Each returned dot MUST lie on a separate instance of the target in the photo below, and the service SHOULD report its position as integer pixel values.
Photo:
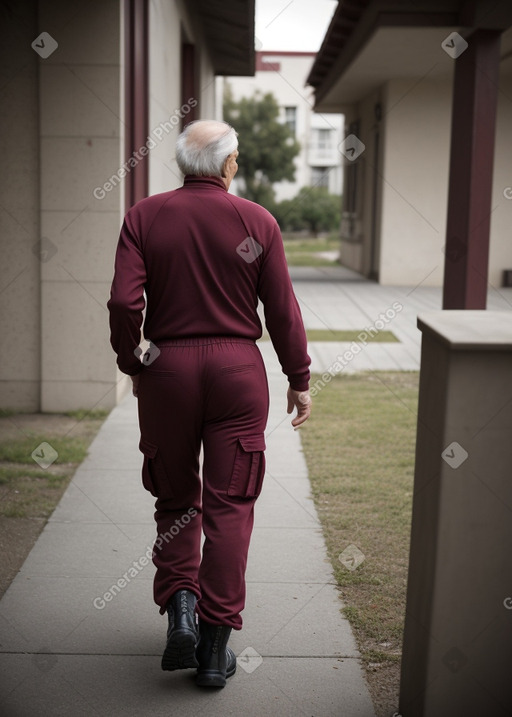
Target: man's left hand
(135, 384)
(301, 400)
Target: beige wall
(80, 149)
(164, 94)
(167, 22)
(414, 163)
(415, 190)
(19, 214)
(62, 125)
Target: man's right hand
(301, 400)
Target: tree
(313, 208)
(267, 147)
(288, 215)
(320, 210)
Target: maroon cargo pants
(209, 392)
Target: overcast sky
(297, 25)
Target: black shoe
(182, 633)
(217, 661)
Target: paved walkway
(337, 298)
(66, 648)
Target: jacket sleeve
(126, 304)
(282, 314)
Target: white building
(284, 75)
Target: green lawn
(359, 446)
(302, 252)
(32, 489)
(349, 335)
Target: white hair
(203, 147)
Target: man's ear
(223, 172)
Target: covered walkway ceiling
(229, 29)
(369, 42)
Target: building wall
(164, 95)
(415, 188)
(62, 128)
(285, 77)
(413, 170)
(360, 226)
(80, 149)
(170, 24)
(19, 213)
(402, 184)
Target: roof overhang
(228, 27)
(369, 42)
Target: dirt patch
(17, 536)
(29, 492)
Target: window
(189, 88)
(351, 198)
(320, 177)
(323, 139)
(290, 119)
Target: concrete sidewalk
(338, 298)
(62, 655)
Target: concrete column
(81, 203)
(19, 209)
(474, 108)
(457, 651)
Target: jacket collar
(193, 181)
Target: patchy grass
(29, 493)
(350, 335)
(70, 449)
(98, 414)
(345, 335)
(359, 446)
(304, 251)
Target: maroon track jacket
(204, 257)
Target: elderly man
(203, 258)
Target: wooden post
(475, 97)
(457, 650)
(136, 98)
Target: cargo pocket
(154, 476)
(248, 467)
